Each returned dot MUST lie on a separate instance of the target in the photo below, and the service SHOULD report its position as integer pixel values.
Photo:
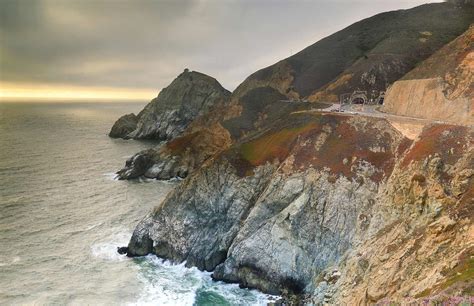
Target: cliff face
(190, 95)
(297, 209)
(336, 208)
(256, 110)
(242, 176)
(303, 209)
(441, 88)
(180, 156)
(422, 247)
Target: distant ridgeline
(314, 205)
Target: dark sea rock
(151, 164)
(124, 126)
(122, 250)
(190, 95)
(137, 165)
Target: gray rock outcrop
(269, 227)
(199, 221)
(287, 224)
(137, 165)
(124, 126)
(178, 157)
(190, 95)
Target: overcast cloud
(145, 44)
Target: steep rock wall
(422, 248)
(330, 208)
(276, 219)
(441, 88)
(425, 98)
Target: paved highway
(371, 111)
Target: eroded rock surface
(325, 189)
(180, 156)
(190, 95)
(422, 248)
(124, 126)
(322, 208)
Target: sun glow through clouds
(28, 92)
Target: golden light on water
(29, 92)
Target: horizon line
(24, 92)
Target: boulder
(124, 126)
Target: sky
(112, 49)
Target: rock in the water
(122, 250)
(124, 126)
(140, 244)
(137, 165)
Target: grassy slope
(396, 34)
(262, 108)
(446, 60)
(320, 141)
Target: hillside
(300, 210)
(440, 88)
(368, 55)
(320, 207)
(390, 43)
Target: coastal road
(371, 111)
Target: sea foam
(108, 250)
(168, 284)
(174, 284)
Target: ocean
(63, 215)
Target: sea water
(63, 215)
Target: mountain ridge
(338, 52)
(313, 205)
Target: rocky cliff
(297, 209)
(180, 156)
(256, 110)
(319, 207)
(441, 88)
(190, 95)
